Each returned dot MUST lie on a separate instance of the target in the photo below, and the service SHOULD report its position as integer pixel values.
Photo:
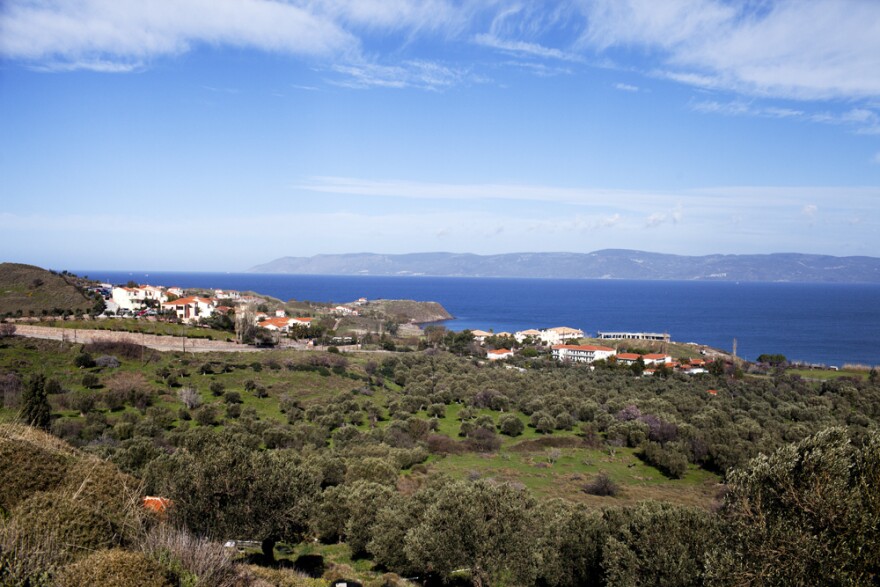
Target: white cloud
(409, 74)
(809, 210)
(861, 120)
(805, 49)
(103, 34)
(626, 87)
(523, 47)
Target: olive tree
(223, 489)
(807, 514)
(481, 526)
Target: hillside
(604, 264)
(372, 466)
(35, 291)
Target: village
(564, 343)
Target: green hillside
(372, 466)
(26, 290)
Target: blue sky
(214, 135)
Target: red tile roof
(581, 347)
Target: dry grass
(115, 568)
(28, 558)
(207, 562)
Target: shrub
(189, 397)
(483, 440)
(91, 381)
(603, 485)
(29, 560)
(53, 387)
(216, 388)
(198, 559)
(667, 460)
(207, 415)
(28, 464)
(115, 568)
(510, 425)
(84, 361)
(72, 522)
(232, 397)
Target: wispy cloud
(524, 47)
(409, 74)
(806, 50)
(626, 87)
(810, 49)
(117, 35)
(860, 120)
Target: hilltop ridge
(602, 264)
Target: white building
(480, 336)
(560, 335)
(524, 334)
(581, 353)
(135, 298)
(656, 359)
(499, 354)
(191, 308)
(283, 323)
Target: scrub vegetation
(371, 467)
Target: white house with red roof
(499, 354)
(283, 323)
(135, 298)
(657, 359)
(627, 358)
(192, 308)
(582, 353)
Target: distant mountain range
(604, 264)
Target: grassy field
(826, 374)
(142, 326)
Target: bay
(830, 324)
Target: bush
(667, 460)
(603, 485)
(232, 397)
(196, 560)
(510, 425)
(75, 523)
(207, 415)
(115, 568)
(483, 440)
(84, 361)
(91, 381)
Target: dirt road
(159, 343)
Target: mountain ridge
(601, 264)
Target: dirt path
(159, 343)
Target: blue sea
(828, 324)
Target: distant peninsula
(603, 264)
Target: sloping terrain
(31, 290)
